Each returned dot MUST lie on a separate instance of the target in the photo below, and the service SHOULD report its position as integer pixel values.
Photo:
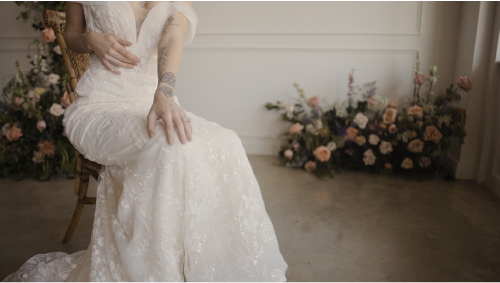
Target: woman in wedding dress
(177, 199)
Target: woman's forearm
(78, 41)
(170, 48)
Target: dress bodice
(101, 85)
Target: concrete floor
(355, 227)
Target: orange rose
(461, 109)
(390, 116)
(383, 126)
(288, 154)
(47, 147)
(388, 165)
(416, 146)
(414, 134)
(432, 134)
(14, 133)
(360, 140)
(352, 133)
(322, 153)
(465, 84)
(416, 111)
(295, 128)
(310, 166)
(48, 35)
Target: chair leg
(74, 221)
(83, 185)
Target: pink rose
(465, 84)
(34, 96)
(322, 153)
(41, 125)
(18, 101)
(288, 154)
(393, 129)
(416, 146)
(390, 116)
(295, 128)
(416, 111)
(352, 133)
(419, 79)
(425, 161)
(48, 35)
(14, 133)
(310, 166)
(65, 100)
(393, 104)
(314, 101)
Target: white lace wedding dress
(190, 212)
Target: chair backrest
(76, 63)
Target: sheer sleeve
(190, 14)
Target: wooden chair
(76, 64)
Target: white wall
(248, 53)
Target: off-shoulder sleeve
(190, 14)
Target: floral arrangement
(32, 139)
(372, 133)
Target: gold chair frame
(76, 64)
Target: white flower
(319, 124)
(429, 109)
(444, 119)
(38, 157)
(380, 103)
(369, 158)
(54, 78)
(56, 109)
(407, 163)
(311, 129)
(433, 80)
(339, 109)
(385, 147)
(361, 120)
(290, 108)
(373, 139)
(57, 49)
(404, 136)
(331, 146)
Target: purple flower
(349, 151)
(64, 133)
(296, 146)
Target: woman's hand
(110, 49)
(171, 113)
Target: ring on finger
(187, 119)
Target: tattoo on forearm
(142, 4)
(170, 20)
(162, 58)
(167, 91)
(168, 78)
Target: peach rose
(385, 147)
(369, 158)
(352, 133)
(56, 109)
(47, 147)
(65, 100)
(393, 129)
(419, 78)
(295, 128)
(288, 154)
(416, 146)
(407, 163)
(360, 140)
(416, 111)
(432, 134)
(310, 166)
(390, 116)
(322, 153)
(14, 133)
(393, 104)
(314, 101)
(41, 125)
(48, 35)
(465, 84)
